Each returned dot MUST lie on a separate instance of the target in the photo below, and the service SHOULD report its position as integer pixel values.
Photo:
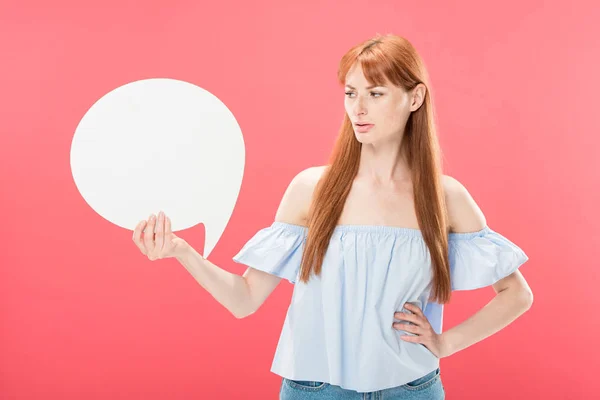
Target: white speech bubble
(160, 144)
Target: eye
(377, 93)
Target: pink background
(85, 315)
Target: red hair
(393, 58)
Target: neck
(383, 163)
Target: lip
(363, 128)
(362, 123)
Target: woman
(374, 242)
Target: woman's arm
(231, 290)
(504, 308)
(244, 295)
(513, 294)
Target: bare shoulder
(296, 200)
(463, 212)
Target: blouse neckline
(384, 229)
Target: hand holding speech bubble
(160, 144)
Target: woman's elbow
(526, 296)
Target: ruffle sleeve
(276, 249)
(481, 258)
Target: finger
(137, 236)
(160, 232)
(149, 234)
(413, 339)
(414, 309)
(168, 230)
(406, 317)
(406, 327)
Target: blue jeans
(427, 387)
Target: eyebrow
(368, 87)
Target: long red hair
(393, 58)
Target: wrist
(447, 348)
(184, 251)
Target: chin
(365, 138)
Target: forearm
(504, 308)
(229, 289)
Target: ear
(418, 96)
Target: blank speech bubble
(160, 144)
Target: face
(386, 108)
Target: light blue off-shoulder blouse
(338, 327)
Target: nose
(359, 107)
